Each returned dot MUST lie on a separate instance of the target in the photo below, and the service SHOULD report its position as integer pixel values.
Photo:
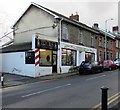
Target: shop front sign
(45, 44)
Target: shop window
(68, 57)
(90, 56)
(29, 58)
(45, 57)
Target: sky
(90, 11)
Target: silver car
(117, 62)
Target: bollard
(104, 98)
(2, 80)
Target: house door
(54, 62)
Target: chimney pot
(74, 17)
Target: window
(81, 37)
(29, 57)
(100, 41)
(65, 33)
(90, 56)
(111, 56)
(111, 44)
(45, 57)
(100, 56)
(116, 54)
(104, 55)
(107, 55)
(116, 43)
(68, 57)
(92, 41)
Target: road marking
(110, 100)
(95, 77)
(46, 90)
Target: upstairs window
(111, 44)
(81, 36)
(65, 33)
(100, 41)
(92, 40)
(116, 43)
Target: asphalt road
(73, 92)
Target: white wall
(81, 57)
(0, 62)
(15, 63)
(41, 71)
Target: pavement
(15, 80)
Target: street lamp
(106, 37)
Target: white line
(45, 90)
(95, 77)
(91, 78)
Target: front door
(54, 62)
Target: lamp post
(106, 37)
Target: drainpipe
(60, 35)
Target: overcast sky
(90, 11)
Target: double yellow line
(110, 100)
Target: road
(72, 92)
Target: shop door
(54, 63)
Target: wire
(33, 29)
(8, 34)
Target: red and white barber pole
(36, 50)
(37, 61)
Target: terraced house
(47, 42)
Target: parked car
(86, 67)
(108, 64)
(117, 62)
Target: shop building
(47, 42)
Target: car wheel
(110, 68)
(93, 71)
(101, 70)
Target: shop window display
(68, 57)
(45, 57)
(90, 56)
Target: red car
(108, 64)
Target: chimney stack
(74, 17)
(115, 29)
(95, 26)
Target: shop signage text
(45, 44)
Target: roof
(110, 35)
(57, 16)
(17, 47)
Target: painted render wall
(35, 18)
(15, 63)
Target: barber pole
(37, 57)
